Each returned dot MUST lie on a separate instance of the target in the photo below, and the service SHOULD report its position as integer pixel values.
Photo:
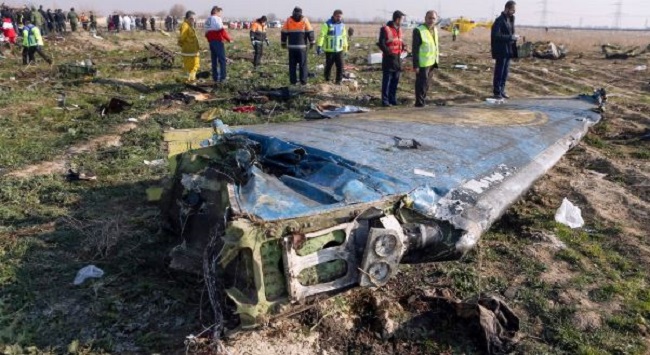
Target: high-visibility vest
(333, 37)
(428, 54)
(32, 36)
(394, 40)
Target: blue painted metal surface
(471, 148)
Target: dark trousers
(29, 57)
(73, 26)
(218, 58)
(389, 82)
(501, 69)
(259, 51)
(298, 61)
(422, 80)
(332, 58)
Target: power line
(618, 14)
(544, 13)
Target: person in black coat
(504, 47)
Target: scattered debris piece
(159, 53)
(132, 119)
(599, 97)
(244, 109)
(549, 50)
(406, 143)
(569, 214)
(70, 70)
(641, 68)
(74, 176)
(90, 271)
(154, 194)
(460, 66)
(497, 321)
(282, 93)
(157, 162)
(617, 52)
(421, 172)
(116, 105)
(251, 96)
(332, 111)
(375, 58)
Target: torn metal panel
(315, 207)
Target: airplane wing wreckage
(275, 216)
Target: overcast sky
(634, 13)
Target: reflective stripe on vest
(394, 39)
(428, 54)
(334, 39)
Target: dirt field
(576, 291)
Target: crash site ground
(576, 291)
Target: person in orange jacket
(297, 33)
(258, 38)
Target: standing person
(138, 23)
(44, 25)
(297, 31)
(33, 43)
(60, 21)
(425, 55)
(143, 22)
(455, 32)
(216, 34)
(168, 23)
(391, 43)
(37, 18)
(504, 47)
(93, 22)
(74, 20)
(189, 44)
(175, 23)
(333, 40)
(84, 21)
(258, 38)
(152, 23)
(127, 23)
(49, 19)
(8, 29)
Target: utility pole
(544, 14)
(618, 14)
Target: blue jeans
(218, 56)
(389, 81)
(501, 68)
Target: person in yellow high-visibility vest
(425, 55)
(333, 40)
(189, 44)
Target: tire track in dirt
(547, 82)
(456, 82)
(571, 79)
(59, 164)
(528, 86)
(627, 114)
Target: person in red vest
(392, 45)
(8, 30)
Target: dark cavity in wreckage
(277, 216)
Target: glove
(319, 50)
(267, 42)
(515, 37)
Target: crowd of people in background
(297, 36)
